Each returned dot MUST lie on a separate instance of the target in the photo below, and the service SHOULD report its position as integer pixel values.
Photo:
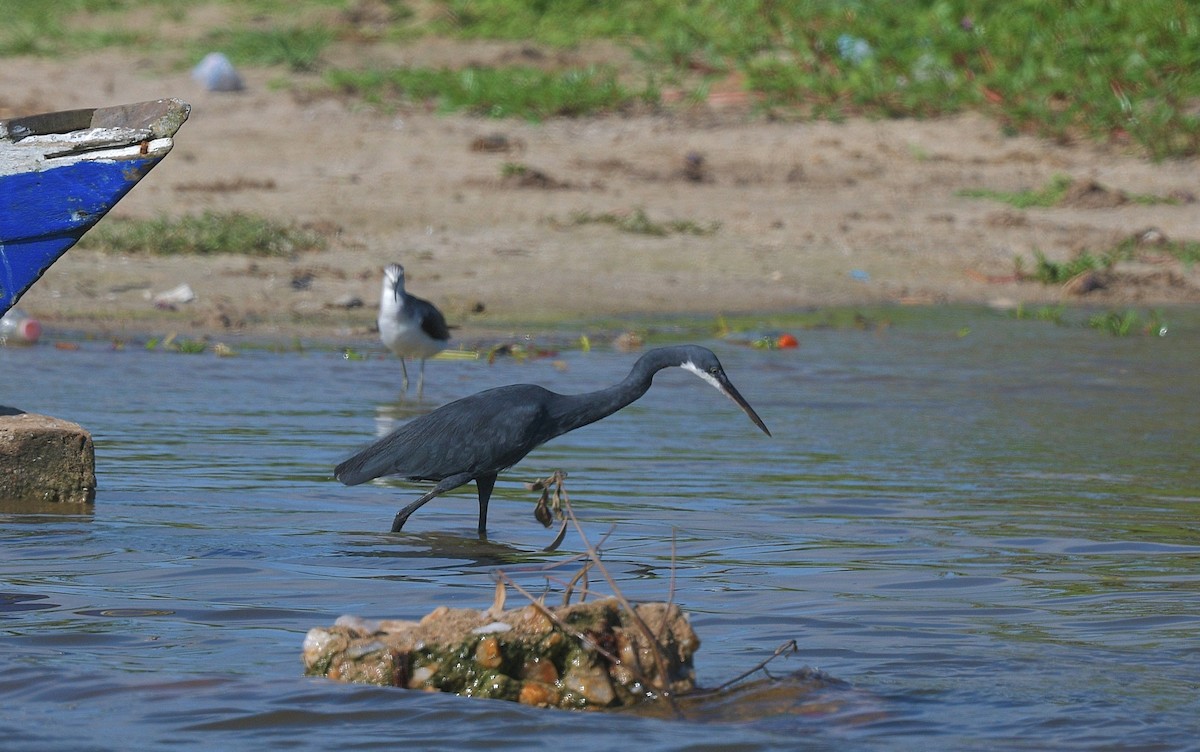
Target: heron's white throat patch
(708, 377)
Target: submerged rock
(550, 657)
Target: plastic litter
(175, 296)
(216, 73)
(19, 328)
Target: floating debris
(1084, 282)
(628, 342)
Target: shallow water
(986, 529)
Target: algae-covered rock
(586, 655)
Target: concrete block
(45, 460)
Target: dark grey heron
(409, 326)
(476, 437)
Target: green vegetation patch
(638, 222)
(1124, 71)
(1118, 323)
(1119, 71)
(1049, 195)
(1053, 314)
(296, 47)
(1058, 69)
(1127, 322)
(206, 234)
(1187, 251)
(174, 344)
(35, 28)
(1058, 190)
(1058, 272)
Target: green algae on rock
(537, 655)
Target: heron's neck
(576, 410)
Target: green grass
(1058, 272)
(1118, 323)
(296, 47)
(524, 92)
(203, 235)
(1127, 72)
(639, 223)
(1050, 195)
(1052, 314)
(1062, 69)
(1127, 322)
(34, 28)
(1186, 251)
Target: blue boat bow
(60, 172)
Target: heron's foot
(398, 521)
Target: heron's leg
(403, 515)
(421, 380)
(444, 485)
(404, 370)
(484, 485)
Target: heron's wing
(373, 462)
(484, 433)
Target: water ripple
(989, 540)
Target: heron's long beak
(396, 289)
(727, 388)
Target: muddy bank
(502, 221)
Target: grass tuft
(1049, 195)
(1125, 323)
(638, 222)
(1053, 314)
(1058, 272)
(207, 234)
(297, 48)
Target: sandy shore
(806, 214)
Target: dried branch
(655, 645)
(788, 648)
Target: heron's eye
(714, 370)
